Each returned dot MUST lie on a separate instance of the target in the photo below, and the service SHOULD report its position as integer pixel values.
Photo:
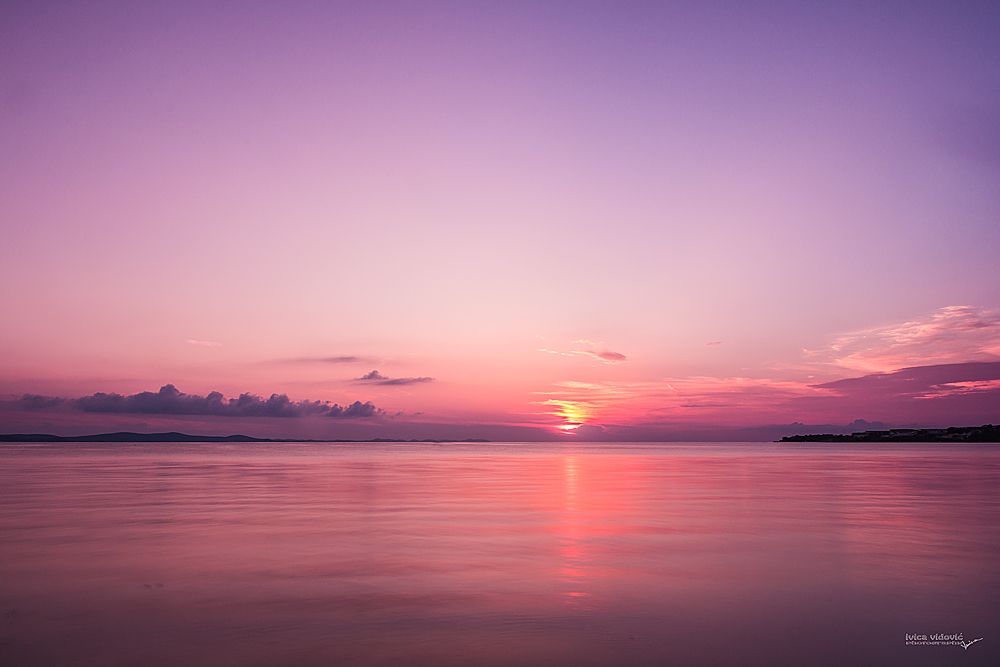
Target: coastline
(985, 433)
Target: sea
(499, 554)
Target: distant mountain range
(986, 433)
(125, 436)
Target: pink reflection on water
(493, 554)
(575, 570)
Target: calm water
(300, 554)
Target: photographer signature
(966, 645)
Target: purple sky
(534, 221)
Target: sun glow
(573, 413)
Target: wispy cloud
(374, 377)
(677, 400)
(598, 351)
(953, 334)
(347, 359)
(171, 401)
(203, 343)
(910, 395)
(592, 349)
(607, 355)
(715, 343)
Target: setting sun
(572, 413)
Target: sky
(512, 221)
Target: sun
(574, 414)
(566, 428)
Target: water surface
(499, 554)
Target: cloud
(921, 382)
(205, 343)
(36, 403)
(347, 359)
(953, 334)
(935, 395)
(375, 377)
(171, 401)
(939, 369)
(671, 400)
(597, 350)
(405, 381)
(607, 355)
(715, 343)
(356, 410)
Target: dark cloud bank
(170, 401)
(916, 381)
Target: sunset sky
(522, 221)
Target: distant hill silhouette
(125, 436)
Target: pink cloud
(592, 349)
(953, 334)
(671, 400)
(927, 394)
(607, 355)
(598, 351)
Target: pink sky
(654, 222)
